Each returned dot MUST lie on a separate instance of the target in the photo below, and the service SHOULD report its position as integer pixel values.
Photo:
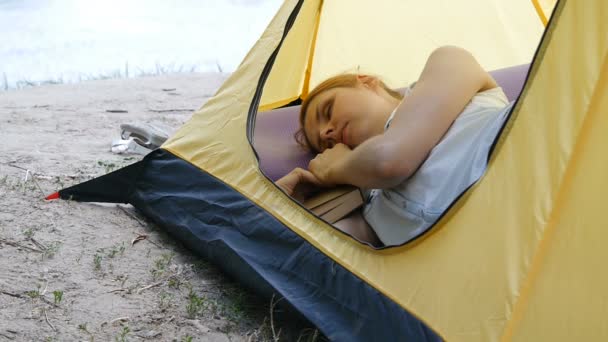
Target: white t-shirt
(403, 212)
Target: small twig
(141, 223)
(38, 244)
(27, 173)
(275, 336)
(43, 195)
(168, 321)
(46, 286)
(119, 319)
(117, 290)
(259, 330)
(12, 164)
(315, 335)
(47, 321)
(155, 244)
(38, 186)
(150, 286)
(45, 177)
(8, 337)
(15, 244)
(150, 241)
(33, 177)
(48, 302)
(16, 295)
(303, 333)
(152, 334)
(50, 176)
(131, 215)
(171, 110)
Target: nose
(328, 135)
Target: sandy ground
(70, 271)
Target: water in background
(62, 41)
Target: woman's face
(348, 115)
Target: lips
(344, 137)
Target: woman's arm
(451, 77)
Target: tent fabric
(344, 43)
(517, 257)
(562, 296)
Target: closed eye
(328, 111)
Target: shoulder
(459, 64)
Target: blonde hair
(339, 81)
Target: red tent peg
(52, 196)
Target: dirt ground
(72, 271)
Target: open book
(334, 204)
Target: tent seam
(308, 71)
(539, 11)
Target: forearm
(369, 166)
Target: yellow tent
(517, 257)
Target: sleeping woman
(413, 154)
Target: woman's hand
(298, 183)
(327, 167)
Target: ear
(368, 81)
